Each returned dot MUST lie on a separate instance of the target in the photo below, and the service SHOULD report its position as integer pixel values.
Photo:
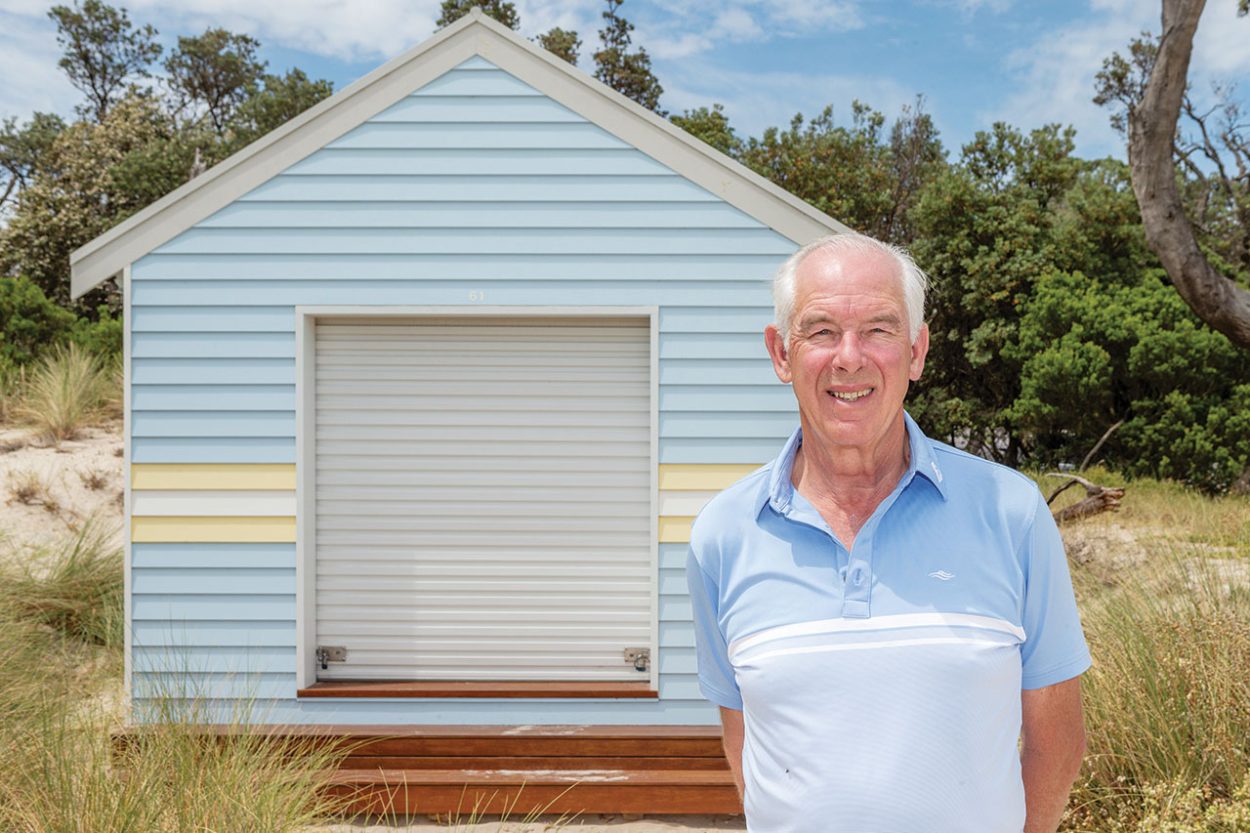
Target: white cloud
(755, 101)
(1055, 75)
(28, 56)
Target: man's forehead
(869, 272)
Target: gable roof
(474, 34)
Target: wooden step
(518, 793)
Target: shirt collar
(778, 491)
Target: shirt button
(857, 578)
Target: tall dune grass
(1167, 700)
(68, 389)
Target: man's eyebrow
(886, 318)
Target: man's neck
(851, 480)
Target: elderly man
(881, 616)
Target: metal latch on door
(640, 658)
(330, 653)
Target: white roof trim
(474, 34)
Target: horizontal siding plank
(673, 581)
(173, 609)
(213, 398)
(675, 529)
(218, 424)
(716, 319)
(213, 686)
(689, 450)
(478, 135)
(214, 371)
(436, 711)
(545, 279)
(712, 346)
(239, 503)
(476, 82)
(679, 477)
(743, 371)
(213, 556)
(225, 529)
(214, 582)
(296, 187)
(264, 291)
(212, 450)
(210, 634)
(774, 426)
(750, 398)
(206, 345)
(678, 661)
(477, 108)
(677, 634)
(445, 241)
(212, 476)
(673, 555)
(462, 161)
(214, 659)
(481, 215)
(683, 503)
(675, 609)
(213, 319)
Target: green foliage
(214, 72)
(101, 338)
(562, 43)
(629, 73)
(31, 323)
(280, 99)
(501, 10)
(21, 149)
(102, 50)
(856, 173)
(712, 126)
(985, 231)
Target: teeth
(851, 397)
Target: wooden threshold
(400, 688)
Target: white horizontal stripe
(865, 646)
(211, 503)
(876, 623)
(683, 503)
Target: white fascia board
(474, 34)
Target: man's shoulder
(726, 512)
(981, 479)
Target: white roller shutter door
(483, 492)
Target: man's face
(850, 358)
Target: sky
(974, 62)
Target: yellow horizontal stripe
(696, 477)
(231, 530)
(212, 476)
(675, 529)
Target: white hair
(914, 280)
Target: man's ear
(776, 345)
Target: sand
(49, 493)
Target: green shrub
(29, 322)
(102, 337)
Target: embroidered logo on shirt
(941, 574)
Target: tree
(102, 51)
(1152, 114)
(629, 73)
(214, 73)
(280, 99)
(501, 10)
(562, 43)
(20, 150)
(712, 126)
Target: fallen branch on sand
(1097, 498)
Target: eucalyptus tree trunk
(1220, 302)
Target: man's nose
(848, 356)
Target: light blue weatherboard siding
(476, 183)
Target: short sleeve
(716, 676)
(1054, 646)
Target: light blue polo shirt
(880, 687)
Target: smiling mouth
(850, 396)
